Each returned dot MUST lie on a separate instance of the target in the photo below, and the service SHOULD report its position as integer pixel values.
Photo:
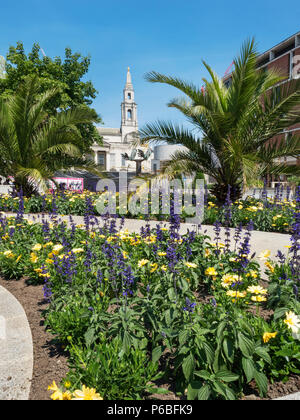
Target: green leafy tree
(63, 74)
(233, 128)
(34, 144)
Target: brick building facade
(284, 58)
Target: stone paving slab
(16, 349)
(292, 397)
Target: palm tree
(232, 127)
(33, 145)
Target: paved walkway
(16, 350)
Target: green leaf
(226, 376)
(279, 313)
(203, 374)
(89, 336)
(246, 345)
(161, 391)
(249, 368)
(204, 393)
(183, 336)
(209, 352)
(230, 394)
(188, 367)
(172, 294)
(228, 348)
(126, 342)
(262, 382)
(156, 353)
(263, 353)
(193, 389)
(221, 329)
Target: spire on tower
(128, 79)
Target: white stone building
(117, 141)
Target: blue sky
(169, 36)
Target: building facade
(117, 141)
(285, 59)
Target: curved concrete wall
(164, 152)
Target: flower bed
(137, 310)
(269, 215)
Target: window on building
(129, 96)
(101, 160)
(129, 114)
(285, 49)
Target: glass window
(129, 114)
(101, 159)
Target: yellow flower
(34, 258)
(67, 396)
(257, 290)
(264, 255)
(86, 394)
(161, 254)
(18, 259)
(258, 298)
(211, 271)
(269, 266)
(57, 248)
(143, 262)
(164, 268)
(67, 384)
(8, 254)
(154, 267)
(253, 274)
(191, 265)
(206, 252)
(37, 247)
(46, 275)
(292, 321)
(228, 279)
(125, 255)
(77, 250)
(57, 393)
(236, 294)
(267, 336)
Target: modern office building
(284, 58)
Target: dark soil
(50, 361)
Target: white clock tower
(129, 123)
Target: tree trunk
(220, 191)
